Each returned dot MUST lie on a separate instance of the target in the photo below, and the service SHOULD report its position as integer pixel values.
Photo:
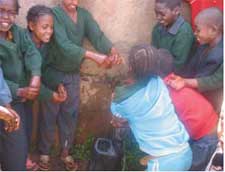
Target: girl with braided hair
(145, 103)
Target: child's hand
(115, 57)
(29, 93)
(10, 118)
(59, 96)
(118, 122)
(175, 81)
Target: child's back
(147, 106)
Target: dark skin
(70, 7)
(8, 12)
(10, 117)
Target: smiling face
(70, 5)
(42, 29)
(165, 15)
(8, 12)
(204, 33)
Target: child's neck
(36, 41)
(72, 14)
(215, 41)
(3, 35)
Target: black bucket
(105, 156)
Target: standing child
(17, 53)
(172, 32)
(65, 54)
(205, 70)
(40, 29)
(146, 104)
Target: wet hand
(175, 81)
(118, 122)
(29, 93)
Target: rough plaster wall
(125, 22)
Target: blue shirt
(152, 119)
(5, 95)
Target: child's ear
(214, 30)
(31, 25)
(177, 11)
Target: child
(199, 5)
(205, 70)
(17, 53)
(40, 28)
(146, 104)
(65, 54)
(172, 32)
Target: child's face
(43, 28)
(203, 33)
(164, 15)
(8, 12)
(70, 5)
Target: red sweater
(196, 113)
(199, 5)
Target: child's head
(70, 5)
(40, 23)
(209, 24)
(167, 11)
(8, 11)
(145, 60)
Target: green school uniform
(65, 52)
(177, 39)
(19, 59)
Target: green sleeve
(96, 36)
(181, 48)
(211, 82)
(32, 56)
(69, 50)
(155, 37)
(45, 93)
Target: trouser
(63, 115)
(13, 146)
(174, 162)
(202, 150)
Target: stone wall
(125, 22)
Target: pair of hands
(175, 81)
(60, 95)
(10, 117)
(105, 61)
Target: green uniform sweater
(19, 59)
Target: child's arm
(32, 58)
(207, 83)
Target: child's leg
(203, 150)
(14, 144)
(48, 116)
(68, 111)
(174, 162)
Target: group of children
(193, 93)
(43, 62)
(39, 64)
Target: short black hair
(145, 60)
(17, 5)
(171, 4)
(37, 11)
(212, 16)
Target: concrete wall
(125, 22)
